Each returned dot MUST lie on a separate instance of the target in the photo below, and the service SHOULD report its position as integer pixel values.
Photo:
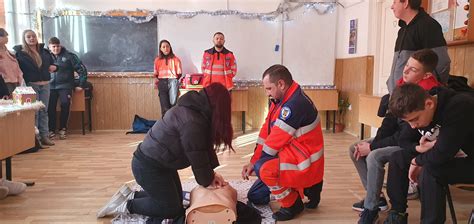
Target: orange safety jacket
(168, 68)
(292, 132)
(219, 67)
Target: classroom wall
(348, 75)
(182, 5)
(462, 57)
(311, 62)
(2, 13)
(347, 11)
(20, 13)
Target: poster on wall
(462, 14)
(439, 5)
(353, 36)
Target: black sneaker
(383, 205)
(368, 216)
(359, 206)
(395, 217)
(285, 214)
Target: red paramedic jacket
(219, 67)
(292, 132)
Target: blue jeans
(168, 93)
(41, 116)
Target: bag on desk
(87, 87)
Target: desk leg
(90, 114)
(8, 172)
(243, 122)
(327, 120)
(361, 131)
(334, 122)
(8, 168)
(83, 125)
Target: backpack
(459, 84)
(141, 125)
(3, 88)
(88, 88)
(192, 81)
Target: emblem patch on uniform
(285, 113)
(63, 59)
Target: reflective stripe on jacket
(167, 68)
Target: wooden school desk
(368, 108)
(78, 104)
(17, 134)
(325, 100)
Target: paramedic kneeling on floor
(288, 158)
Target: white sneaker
(118, 202)
(126, 189)
(3, 192)
(116, 205)
(14, 188)
(412, 191)
(62, 134)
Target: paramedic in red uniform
(218, 64)
(289, 157)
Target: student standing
(9, 68)
(36, 64)
(62, 84)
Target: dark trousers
(259, 193)
(162, 197)
(397, 179)
(168, 93)
(64, 96)
(433, 182)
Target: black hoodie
(183, 138)
(452, 127)
(31, 71)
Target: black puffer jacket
(183, 138)
(63, 77)
(31, 72)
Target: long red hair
(221, 125)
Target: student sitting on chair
(371, 155)
(443, 124)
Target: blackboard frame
(106, 43)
